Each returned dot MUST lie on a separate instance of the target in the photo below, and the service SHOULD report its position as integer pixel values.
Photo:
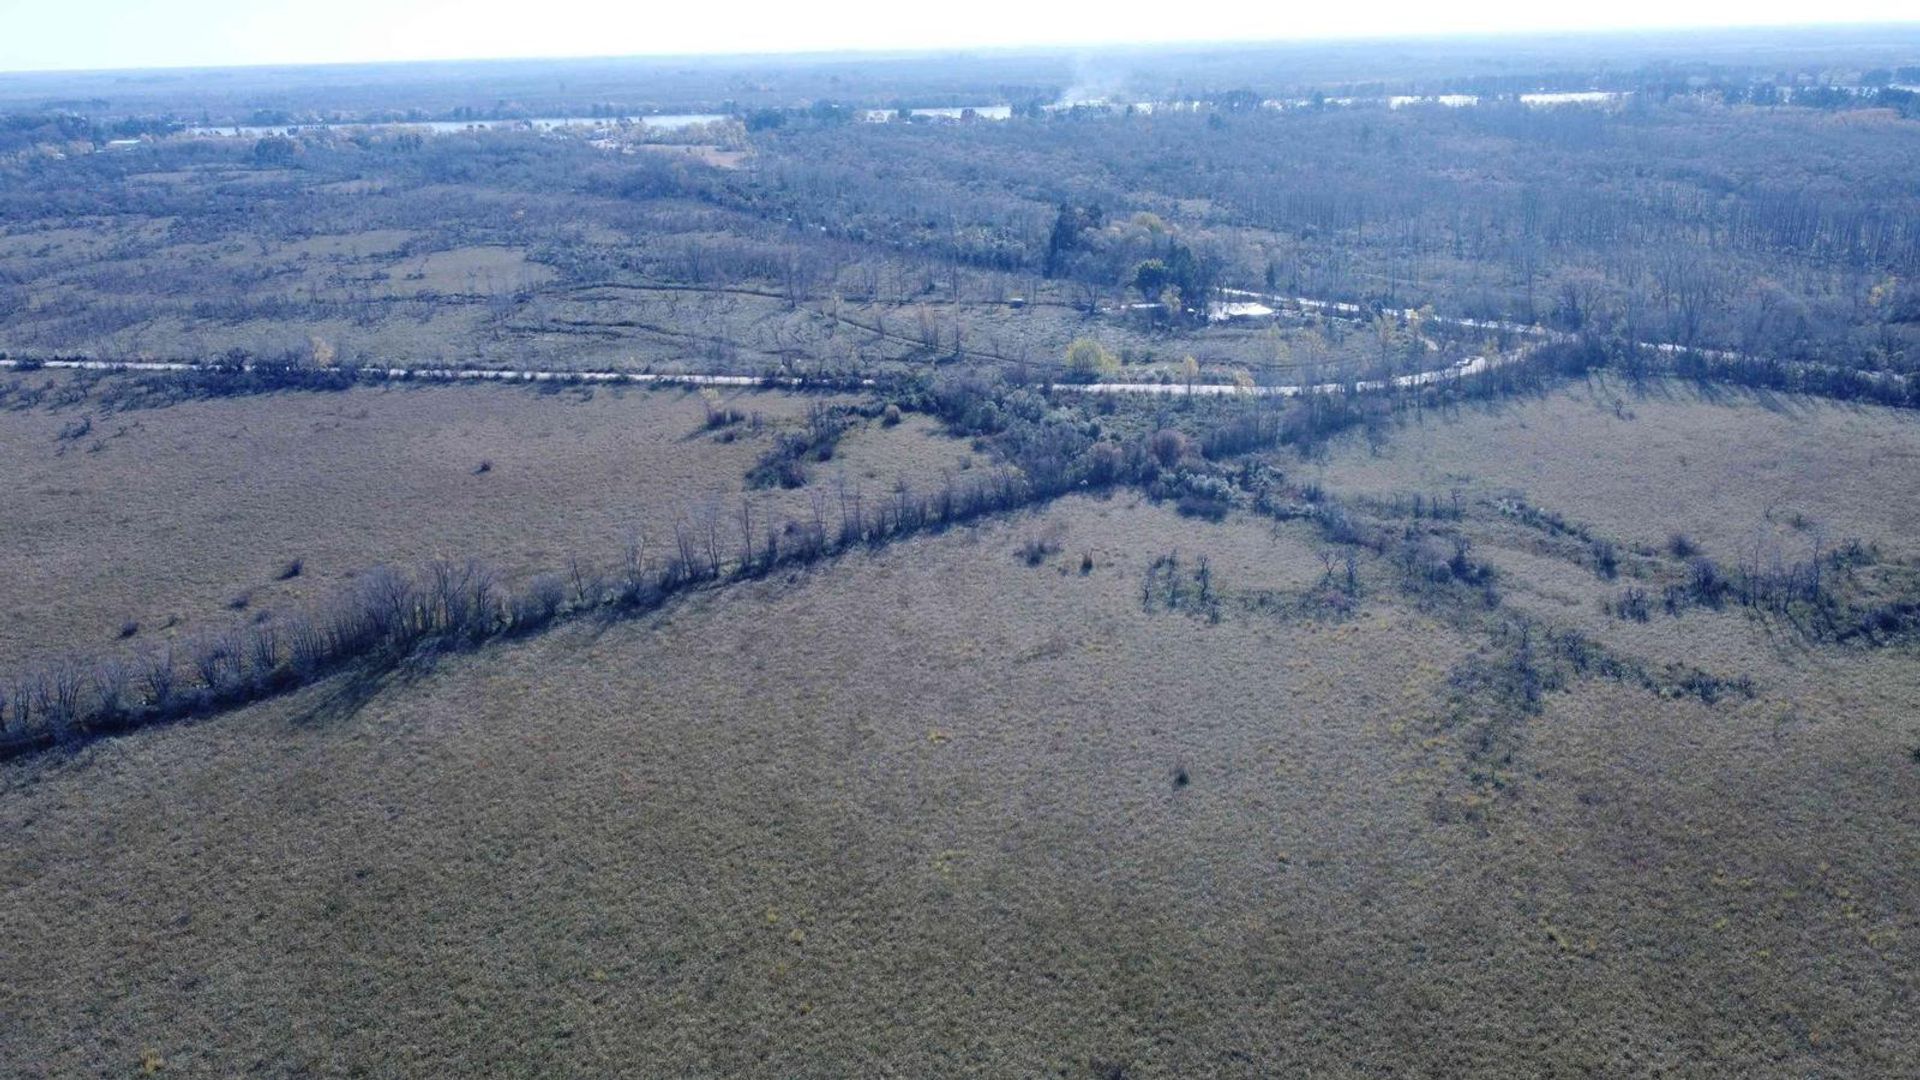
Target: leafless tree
(687, 546)
(306, 645)
(817, 503)
(710, 527)
(585, 582)
(158, 677)
(460, 598)
(263, 652)
(209, 661)
(746, 534)
(59, 691)
(110, 682)
(633, 562)
(390, 604)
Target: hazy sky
(57, 34)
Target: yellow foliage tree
(1090, 359)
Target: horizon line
(1010, 48)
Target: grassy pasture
(182, 511)
(1640, 463)
(1232, 760)
(935, 810)
(984, 802)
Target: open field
(942, 808)
(183, 519)
(1239, 562)
(1642, 462)
(943, 812)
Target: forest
(1699, 220)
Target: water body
(956, 112)
(1571, 97)
(1451, 101)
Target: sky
(50, 35)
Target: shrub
(718, 415)
(1206, 507)
(1705, 581)
(1632, 604)
(1606, 559)
(785, 463)
(1195, 494)
(537, 605)
(1106, 463)
(1168, 447)
(292, 570)
(1035, 549)
(1089, 361)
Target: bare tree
(687, 546)
(633, 562)
(263, 652)
(110, 681)
(209, 661)
(817, 503)
(306, 645)
(59, 690)
(391, 605)
(585, 582)
(460, 598)
(158, 677)
(710, 523)
(746, 534)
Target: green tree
(1151, 276)
(1088, 359)
(274, 150)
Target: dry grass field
(934, 810)
(1719, 464)
(185, 518)
(1540, 701)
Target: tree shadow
(341, 699)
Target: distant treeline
(1772, 232)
